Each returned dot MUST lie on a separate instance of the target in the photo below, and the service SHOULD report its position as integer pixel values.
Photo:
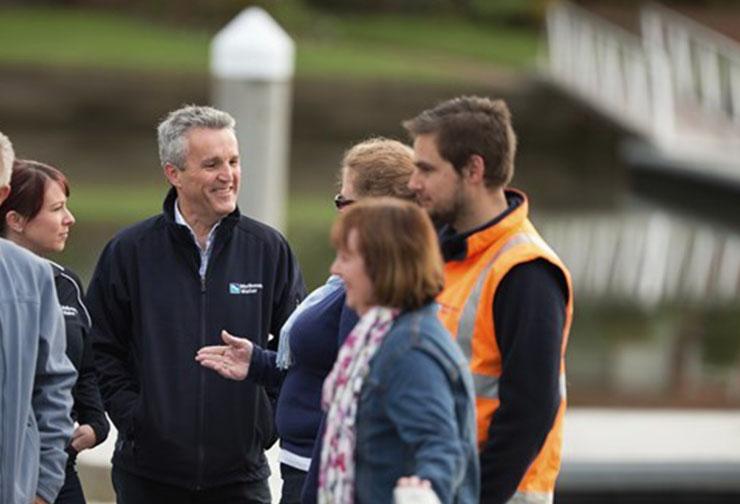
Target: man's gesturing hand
(230, 360)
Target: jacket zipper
(201, 391)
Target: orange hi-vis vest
(466, 309)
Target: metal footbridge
(675, 84)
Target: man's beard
(447, 214)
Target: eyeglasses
(341, 202)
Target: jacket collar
(168, 210)
(459, 246)
(56, 268)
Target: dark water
(627, 348)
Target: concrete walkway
(623, 450)
(605, 449)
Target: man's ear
(15, 221)
(475, 169)
(172, 173)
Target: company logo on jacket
(69, 311)
(239, 288)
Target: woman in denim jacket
(399, 401)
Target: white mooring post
(252, 65)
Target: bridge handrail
(621, 73)
(602, 24)
(726, 45)
(714, 90)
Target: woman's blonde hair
(380, 167)
(399, 248)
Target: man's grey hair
(173, 146)
(7, 157)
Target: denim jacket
(416, 414)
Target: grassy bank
(401, 47)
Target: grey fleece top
(36, 380)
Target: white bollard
(252, 66)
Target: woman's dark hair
(27, 189)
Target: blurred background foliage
(167, 35)
(214, 13)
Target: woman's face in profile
(350, 266)
(47, 232)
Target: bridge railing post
(734, 83)
(705, 64)
(709, 77)
(661, 82)
(678, 45)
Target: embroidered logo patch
(69, 311)
(239, 288)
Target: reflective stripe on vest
(466, 325)
(531, 498)
(486, 386)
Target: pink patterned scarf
(340, 396)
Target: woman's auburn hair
(399, 247)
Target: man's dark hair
(470, 125)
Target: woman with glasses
(35, 216)
(310, 339)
